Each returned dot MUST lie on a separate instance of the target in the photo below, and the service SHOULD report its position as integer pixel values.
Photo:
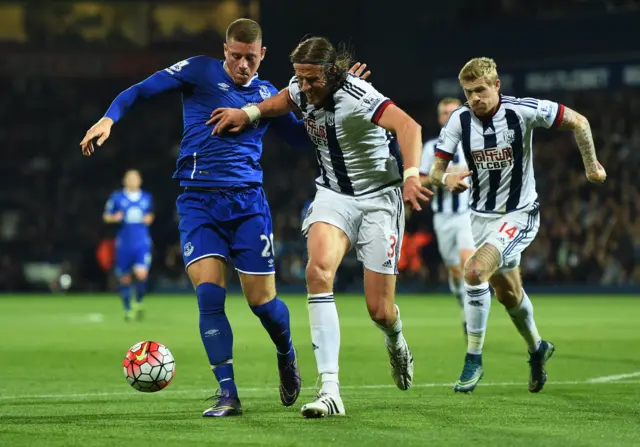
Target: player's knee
(141, 275)
(125, 280)
(319, 274)
(474, 273)
(258, 289)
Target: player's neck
(493, 110)
(228, 72)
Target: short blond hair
(479, 67)
(450, 100)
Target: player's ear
(263, 51)
(498, 84)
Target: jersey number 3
(391, 253)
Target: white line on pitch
(614, 378)
(344, 387)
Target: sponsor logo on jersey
(493, 158)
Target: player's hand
(100, 130)
(413, 191)
(358, 70)
(118, 217)
(456, 181)
(230, 120)
(599, 175)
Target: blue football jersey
(132, 231)
(230, 160)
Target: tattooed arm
(438, 169)
(455, 181)
(572, 120)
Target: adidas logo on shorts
(387, 264)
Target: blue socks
(125, 294)
(216, 334)
(141, 289)
(274, 316)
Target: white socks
(476, 311)
(325, 338)
(458, 290)
(393, 337)
(522, 317)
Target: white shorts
(454, 234)
(374, 225)
(510, 233)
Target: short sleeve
(370, 103)
(548, 114)
(112, 205)
(449, 138)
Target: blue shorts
(227, 223)
(128, 257)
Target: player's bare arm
(409, 136)
(100, 130)
(148, 219)
(574, 121)
(454, 181)
(113, 218)
(234, 120)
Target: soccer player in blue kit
(223, 209)
(132, 209)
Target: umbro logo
(387, 264)
(223, 86)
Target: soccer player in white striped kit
(496, 134)
(451, 220)
(359, 199)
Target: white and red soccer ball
(149, 366)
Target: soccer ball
(149, 366)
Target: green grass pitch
(61, 379)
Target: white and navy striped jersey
(355, 156)
(443, 200)
(498, 150)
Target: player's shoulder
(267, 89)
(357, 94)
(117, 194)
(192, 62)
(356, 88)
(454, 118)
(512, 102)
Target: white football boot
(401, 365)
(325, 405)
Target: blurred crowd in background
(52, 198)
